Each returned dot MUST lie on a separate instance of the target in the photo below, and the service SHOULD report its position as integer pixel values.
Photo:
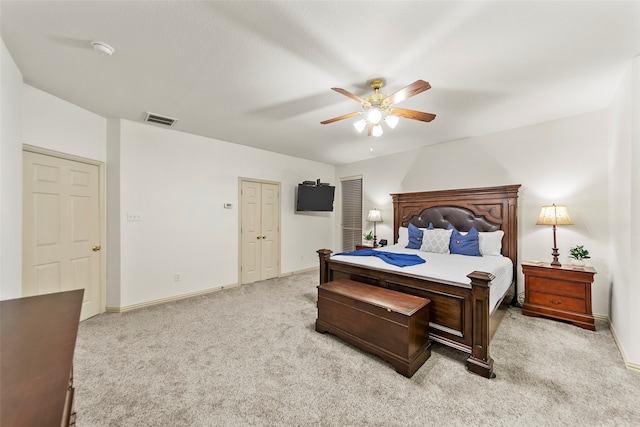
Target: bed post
(480, 361)
(324, 255)
(397, 220)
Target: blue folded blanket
(399, 260)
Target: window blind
(351, 213)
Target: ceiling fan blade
(414, 88)
(349, 94)
(411, 114)
(346, 116)
(370, 129)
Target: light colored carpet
(251, 356)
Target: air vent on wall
(161, 120)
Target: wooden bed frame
(459, 314)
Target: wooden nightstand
(360, 247)
(562, 293)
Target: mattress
(447, 268)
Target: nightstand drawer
(559, 292)
(556, 287)
(558, 302)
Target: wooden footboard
(459, 314)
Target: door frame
(102, 209)
(260, 181)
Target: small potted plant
(578, 254)
(368, 238)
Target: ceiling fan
(379, 107)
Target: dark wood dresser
(37, 341)
(562, 293)
(390, 324)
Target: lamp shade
(392, 121)
(374, 216)
(360, 125)
(554, 215)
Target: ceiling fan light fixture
(374, 116)
(378, 106)
(392, 121)
(360, 125)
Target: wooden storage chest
(390, 324)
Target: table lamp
(554, 215)
(374, 216)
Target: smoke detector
(102, 48)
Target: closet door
(270, 224)
(259, 231)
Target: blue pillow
(469, 244)
(415, 237)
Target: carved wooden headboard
(487, 209)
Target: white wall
(113, 232)
(179, 182)
(632, 341)
(624, 207)
(52, 123)
(10, 177)
(562, 161)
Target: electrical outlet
(134, 216)
(177, 277)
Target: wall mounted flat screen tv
(313, 198)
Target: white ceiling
(259, 73)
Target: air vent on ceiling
(161, 120)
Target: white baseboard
(630, 366)
(193, 294)
(169, 299)
(306, 270)
(601, 317)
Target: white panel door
(61, 229)
(259, 231)
(270, 223)
(250, 230)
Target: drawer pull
(555, 302)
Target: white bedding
(446, 268)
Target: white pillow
(436, 241)
(491, 242)
(403, 236)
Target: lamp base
(555, 254)
(375, 238)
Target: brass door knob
(96, 248)
(258, 237)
